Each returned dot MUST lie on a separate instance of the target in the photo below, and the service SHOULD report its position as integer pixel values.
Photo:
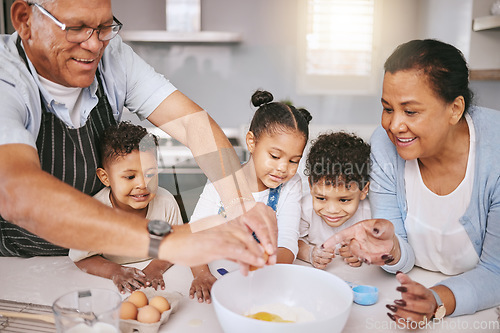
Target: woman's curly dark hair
(123, 138)
(338, 158)
(273, 117)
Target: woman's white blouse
(436, 235)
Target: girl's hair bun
(261, 97)
(276, 117)
(306, 114)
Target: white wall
(451, 22)
(222, 77)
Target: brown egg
(265, 256)
(138, 298)
(148, 314)
(128, 310)
(160, 303)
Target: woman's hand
(201, 286)
(321, 257)
(416, 306)
(349, 258)
(129, 279)
(371, 241)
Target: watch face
(440, 312)
(159, 227)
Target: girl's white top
(287, 210)
(436, 235)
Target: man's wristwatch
(440, 310)
(158, 230)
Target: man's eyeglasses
(82, 34)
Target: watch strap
(158, 229)
(440, 310)
(154, 245)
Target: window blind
(339, 37)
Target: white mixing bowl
(323, 294)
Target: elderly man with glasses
(64, 78)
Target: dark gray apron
(71, 155)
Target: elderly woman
(436, 177)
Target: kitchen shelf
(491, 22)
(180, 37)
(485, 74)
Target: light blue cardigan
(478, 288)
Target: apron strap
(81, 147)
(22, 53)
(274, 195)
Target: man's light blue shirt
(128, 81)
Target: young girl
(276, 140)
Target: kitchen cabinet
(485, 74)
(485, 30)
(484, 42)
(151, 25)
(180, 37)
(486, 24)
(491, 22)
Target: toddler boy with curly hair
(337, 168)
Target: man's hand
(231, 240)
(261, 219)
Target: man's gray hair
(37, 13)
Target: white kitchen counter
(41, 280)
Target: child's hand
(129, 279)
(320, 257)
(374, 241)
(201, 286)
(154, 275)
(349, 258)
